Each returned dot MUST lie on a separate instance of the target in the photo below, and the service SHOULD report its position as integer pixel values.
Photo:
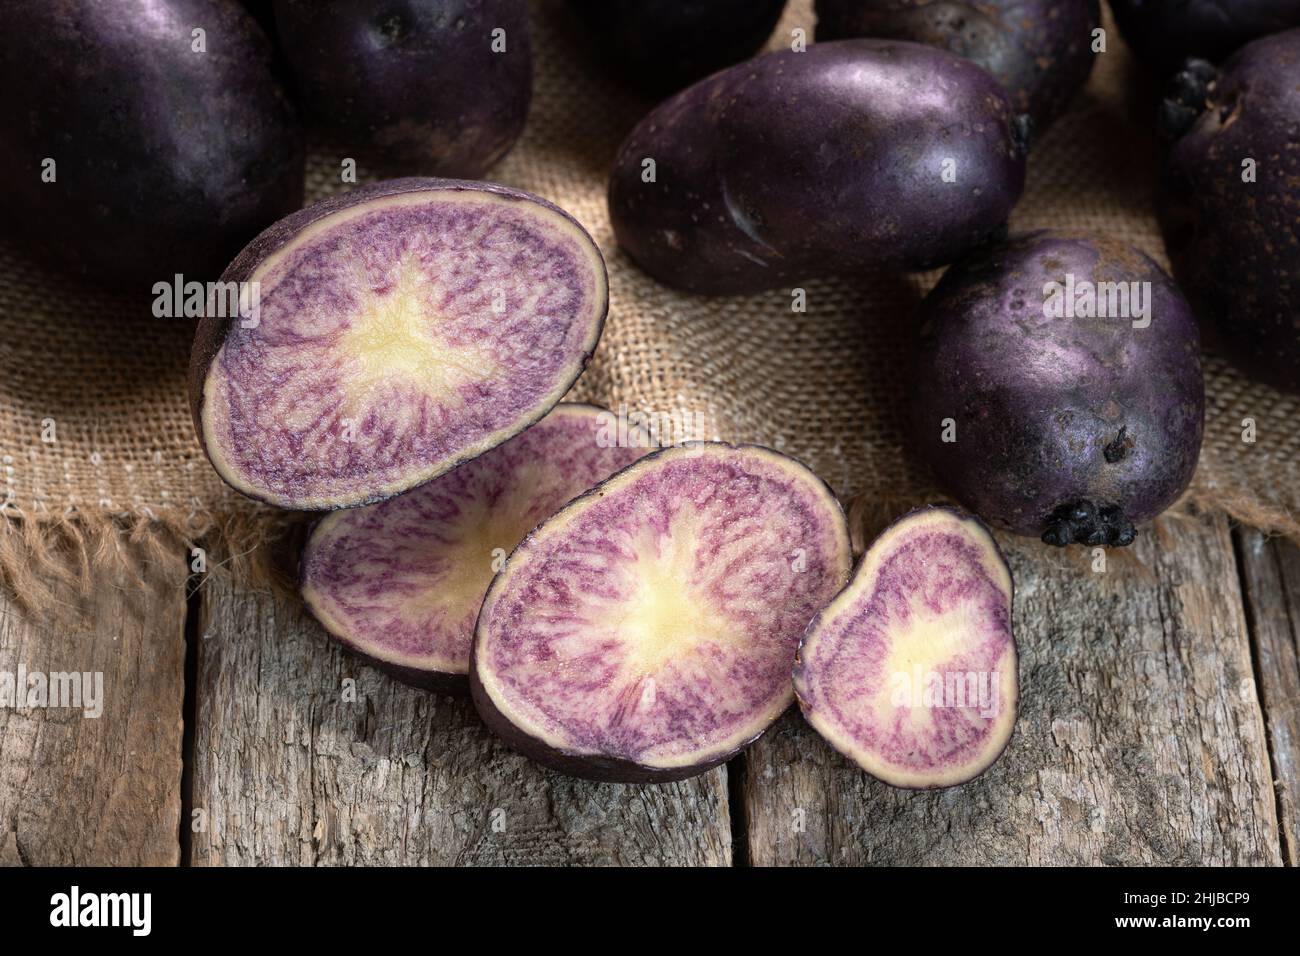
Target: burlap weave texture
(95, 426)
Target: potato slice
(401, 329)
(646, 632)
(400, 583)
(911, 671)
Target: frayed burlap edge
(1268, 517)
(51, 567)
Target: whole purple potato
(171, 143)
(1039, 50)
(1164, 33)
(851, 154)
(664, 45)
(1057, 387)
(1231, 209)
(440, 87)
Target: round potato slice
(394, 332)
(646, 632)
(400, 582)
(911, 671)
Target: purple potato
(1235, 243)
(1047, 412)
(911, 672)
(404, 327)
(262, 12)
(417, 84)
(167, 158)
(1164, 33)
(400, 583)
(664, 45)
(1039, 50)
(850, 155)
(646, 632)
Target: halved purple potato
(910, 672)
(646, 632)
(404, 328)
(401, 582)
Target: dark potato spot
(390, 29)
(1118, 448)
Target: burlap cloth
(825, 385)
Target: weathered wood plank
(106, 790)
(1140, 739)
(1270, 571)
(289, 771)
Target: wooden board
(286, 770)
(106, 790)
(1270, 574)
(1140, 739)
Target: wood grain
(106, 790)
(1270, 574)
(287, 771)
(1140, 738)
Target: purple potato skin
(1164, 33)
(1054, 415)
(260, 10)
(1236, 245)
(1039, 50)
(661, 46)
(168, 160)
(434, 682)
(211, 331)
(585, 766)
(415, 83)
(796, 165)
